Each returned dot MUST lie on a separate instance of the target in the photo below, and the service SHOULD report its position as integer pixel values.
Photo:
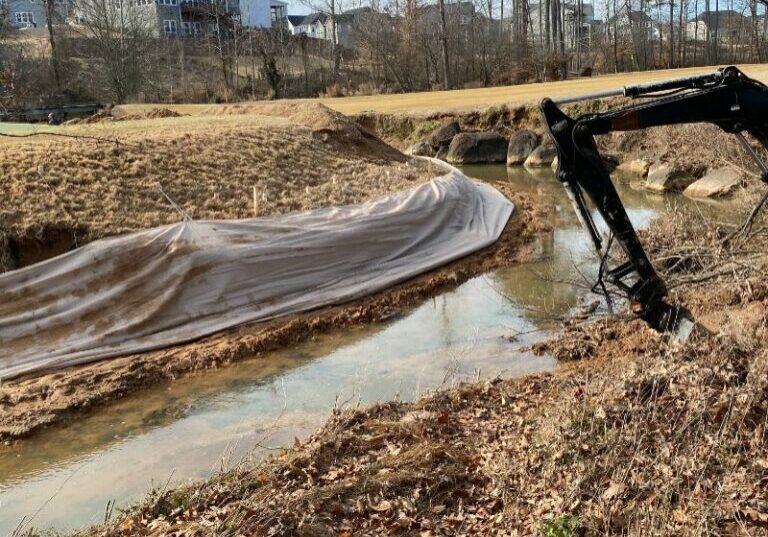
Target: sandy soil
(633, 437)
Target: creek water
(188, 429)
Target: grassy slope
(427, 102)
(422, 103)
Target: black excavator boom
(726, 98)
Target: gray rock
(521, 144)
(634, 167)
(421, 149)
(718, 182)
(477, 147)
(444, 134)
(543, 155)
(663, 177)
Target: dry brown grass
(208, 167)
(430, 102)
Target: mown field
(416, 104)
(435, 101)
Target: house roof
(358, 11)
(465, 8)
(313, 18)
(296, 20)
(310, 19)
(724, 17)
(634, 16)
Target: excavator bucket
(726, 98)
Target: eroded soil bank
(634, 436)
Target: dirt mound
(326, 124)
(161, 112)
(99, 117)
(112, 114)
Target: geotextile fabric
(177, 283)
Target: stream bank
(633, 437)
(175, 431)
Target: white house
(294, 24)
(255, 13)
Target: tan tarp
(177, 283)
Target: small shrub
(563, 526)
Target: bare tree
(444, 47)
(51, 18)
(121, 34)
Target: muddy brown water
(173, 433)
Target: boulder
(421, 149)
(477, 148)
(543, 155)
(444, 134)
(718, 182)
(663, 177)
(634, 167)
(442, 153)
(521, 144)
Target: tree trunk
(671, 33)
(681, 35)
(547, 24)
(335, 51)
(444, 45)
(50, 13)
(716, 52)
(695, 31)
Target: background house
(164, 18)
(319, 26)
(278, 12)
(23, 14)
(631, 24)
(729, 26)
(294, 23)
(255, 13)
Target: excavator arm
(726, 98)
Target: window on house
(24, 17)
(169, 27)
